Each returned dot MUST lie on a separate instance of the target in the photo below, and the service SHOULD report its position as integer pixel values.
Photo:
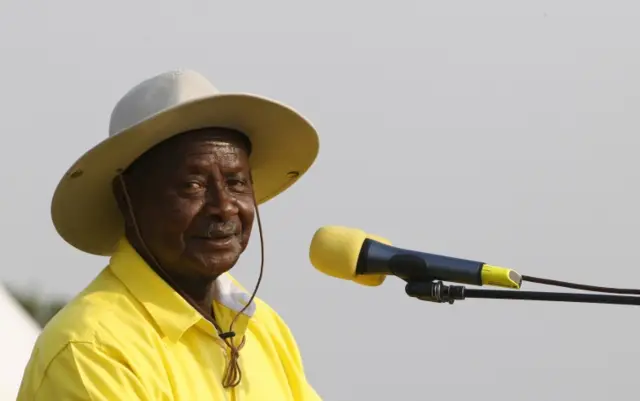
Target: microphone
(351, 254)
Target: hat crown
(157, 94)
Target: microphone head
(334, 251)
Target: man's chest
(195, 366)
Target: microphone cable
(583, 287)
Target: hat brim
(284, 146)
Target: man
(171, 197)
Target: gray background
(499, 130)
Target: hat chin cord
(232, 374)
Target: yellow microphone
(352, 254)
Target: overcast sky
(499, 130)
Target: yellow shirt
(130, 336)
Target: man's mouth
(216, 235)
(217, 239)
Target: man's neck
(198, 291)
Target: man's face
(193, 202)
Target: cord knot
(232, 373)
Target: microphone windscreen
(334, 251)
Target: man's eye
(237, 184)
(193, 185)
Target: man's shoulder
(100, 314)
(268, 319)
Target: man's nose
(220, 202)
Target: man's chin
(212, 266)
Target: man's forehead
(194, 143)
(208, 136)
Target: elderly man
(171, 197)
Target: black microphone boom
(440, 293)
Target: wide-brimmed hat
(284, 145)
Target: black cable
(552, 296)
(583, 287)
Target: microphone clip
(435, 291)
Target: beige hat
(284, 146)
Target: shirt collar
(171, 312)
